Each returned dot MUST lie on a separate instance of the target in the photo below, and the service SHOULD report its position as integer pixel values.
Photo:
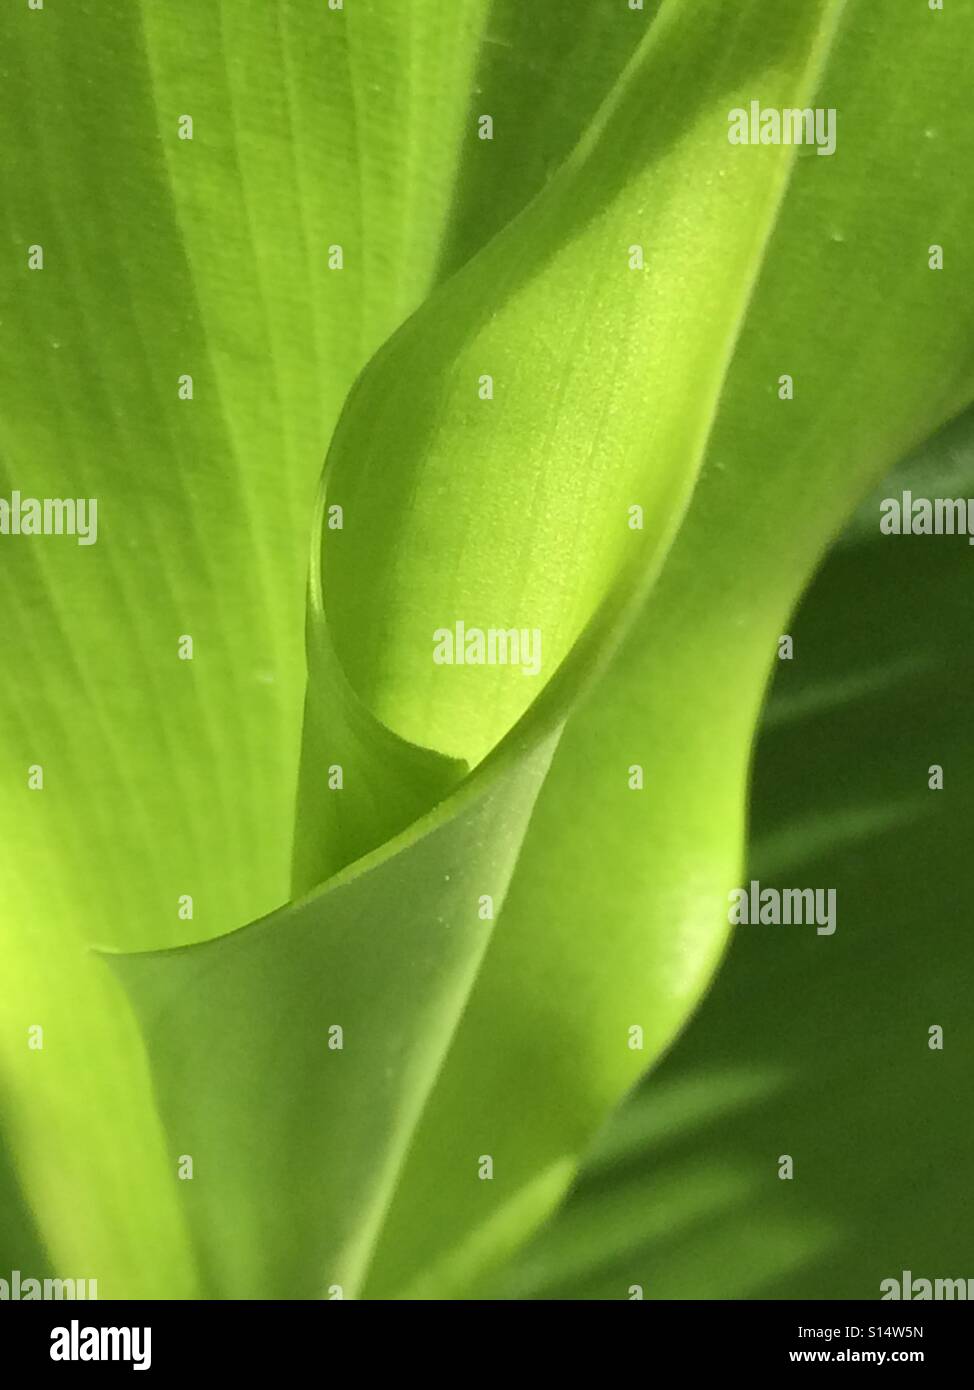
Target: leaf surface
(165, 259)
(819, 1046)
(510, 511)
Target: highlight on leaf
(469, 412)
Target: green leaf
(286, 1119)
(617, 911)
(312, 1165)
(166, 258)
(391, 583)
(818, 1046)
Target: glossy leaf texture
(822, 1048)
(174, 266)
(462, 1036)
(580, 956)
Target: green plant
(616, 385)
(821, 1048)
